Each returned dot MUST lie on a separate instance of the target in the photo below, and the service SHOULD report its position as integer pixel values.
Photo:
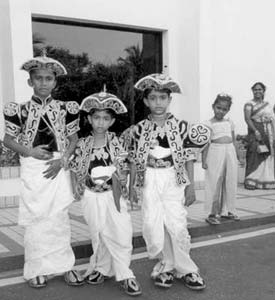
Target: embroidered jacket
(39, 122)
(86, 157)
(183, 140)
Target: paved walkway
(258, 203)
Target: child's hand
(258, 136)
(40, 152)
(241, 162)
(204, 165)
(122, 177)
(134, 196)
(190, 196)
(54, 167)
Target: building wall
(236, 49)
(209, 46)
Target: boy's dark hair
(107, 110)
(147, 91)
(223, 97)
(258, 83)
(84, 124)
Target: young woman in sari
(259, 117)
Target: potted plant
(9, 163)
(241, 141)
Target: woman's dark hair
(147, 91)
(223, 97)
(84, 124)
(258, 83)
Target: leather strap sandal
(38, 281)
(73, 278)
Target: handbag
(262, 148)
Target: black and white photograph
(137, 149)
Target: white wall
(184, 57)
(237, 48)
(15, 48)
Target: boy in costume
(100, 175)
(44, 132)
(163, 150)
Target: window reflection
(96, 55)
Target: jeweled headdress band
(103, 100)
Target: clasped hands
(41, 152)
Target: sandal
(212, 220)
(194, 281)
(231, 216)
(131, 287)
(73, 278)
(164, 280)
(38, 281)
(95, 278)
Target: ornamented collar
(40, 101)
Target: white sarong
(43, 211)
(111, 235)
(164, 222)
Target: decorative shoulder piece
(103, 100)
(44, 62)
(158, 81)
(72, 107)
(199, 135)
(11, 109)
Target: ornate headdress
(159, 82)
(44, 62)
(103, 100)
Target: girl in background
(219, 159)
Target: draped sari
(260, 168)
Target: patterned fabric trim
(11, 109)
(82, 157)
(159, 82)
(43, 62)
(103, 100)
(199, 134)
(138, 140)
(81, 160)
(33, 111)
(175, 138)
(256, 184)
(12, 129)
(72, 107)
(72, 127)
(198, 137)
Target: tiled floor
(248, 203)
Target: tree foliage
(85, 78)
